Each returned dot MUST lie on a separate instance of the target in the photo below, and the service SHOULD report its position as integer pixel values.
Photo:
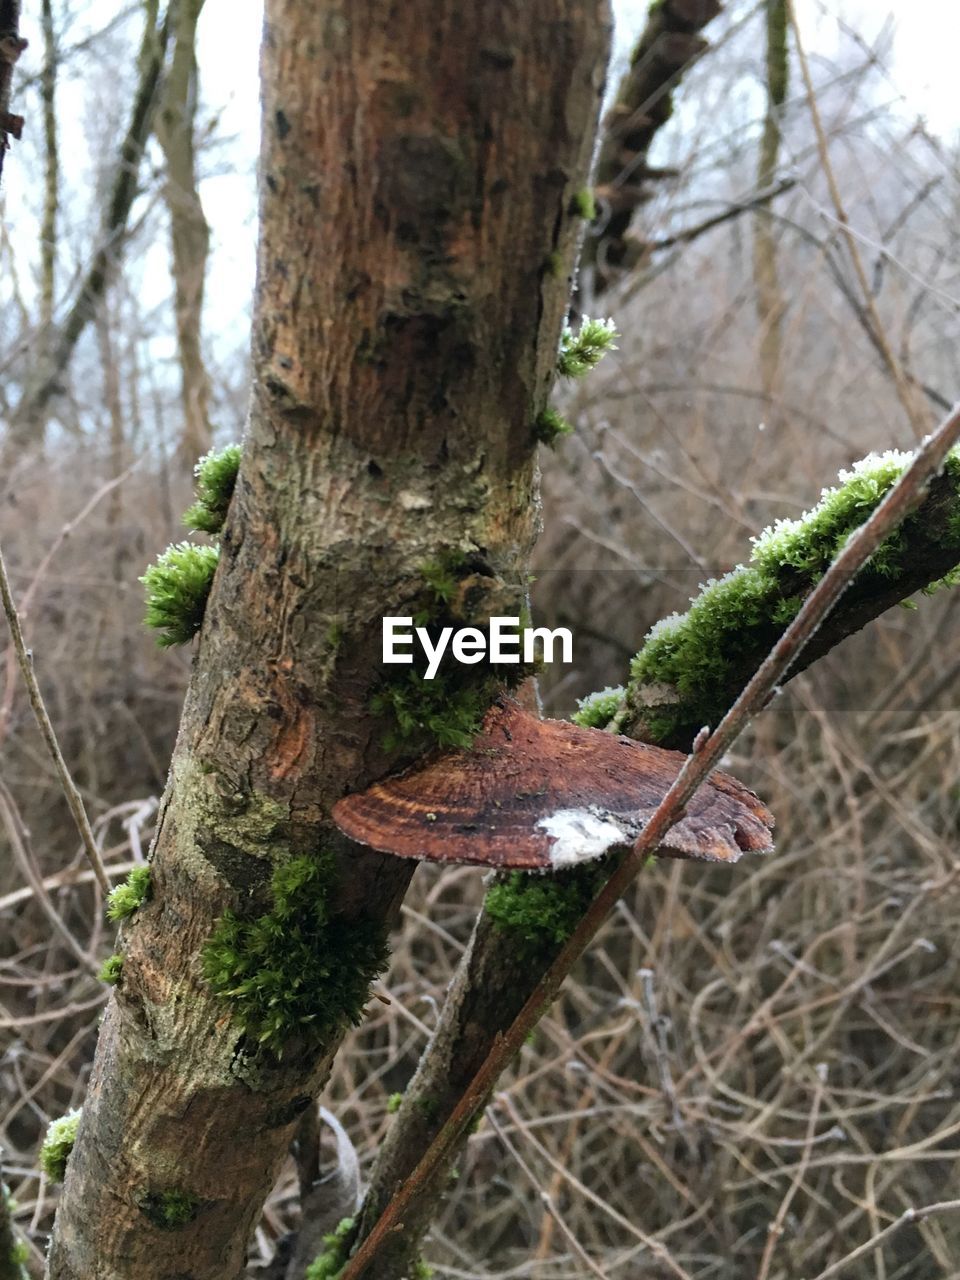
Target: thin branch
(906, 389)
(755, 201)
(904, 497)
(776, 1227)
(909, 1217)
(23, 854)
(74, 799)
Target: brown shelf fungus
(544, 795)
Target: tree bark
(189, 233)
(51, 174)
(770, 303)
(418, 164)
(669, 44)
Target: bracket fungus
(535, 794)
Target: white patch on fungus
(580, 836)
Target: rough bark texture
(417, 168)
(489, 988)
(189, 233)
(770, 303)
(668, 44)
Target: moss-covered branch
(692, 666)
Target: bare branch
(74, 799)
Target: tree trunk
(418, 165)
(770, 303)
(51, 173)
(668, 46)
(189, 233)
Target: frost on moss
(596, 710)
(582, 351)
(296, 970)
(336, 1250)
(132, 893)
(706, 653)
(177, 586)
(58, 1144)
(216, 475)
(111, 969)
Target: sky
(924, 73)
(923, 76)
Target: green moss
(553, 267)
(169, 1209)
(702, 654)
(542, 911)
(442, 576)
(421, 1271)
(582, 351)
(132, 893)
(216, 475)
(394, 1103)
(336, 1250)
(58, 1144)
(551, 427)
(583, 205)
(177, 586)
(14, 1265)
(111, 969)
(596, 710)
(447, 710)
(296, 970)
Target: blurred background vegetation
(775, 1042)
